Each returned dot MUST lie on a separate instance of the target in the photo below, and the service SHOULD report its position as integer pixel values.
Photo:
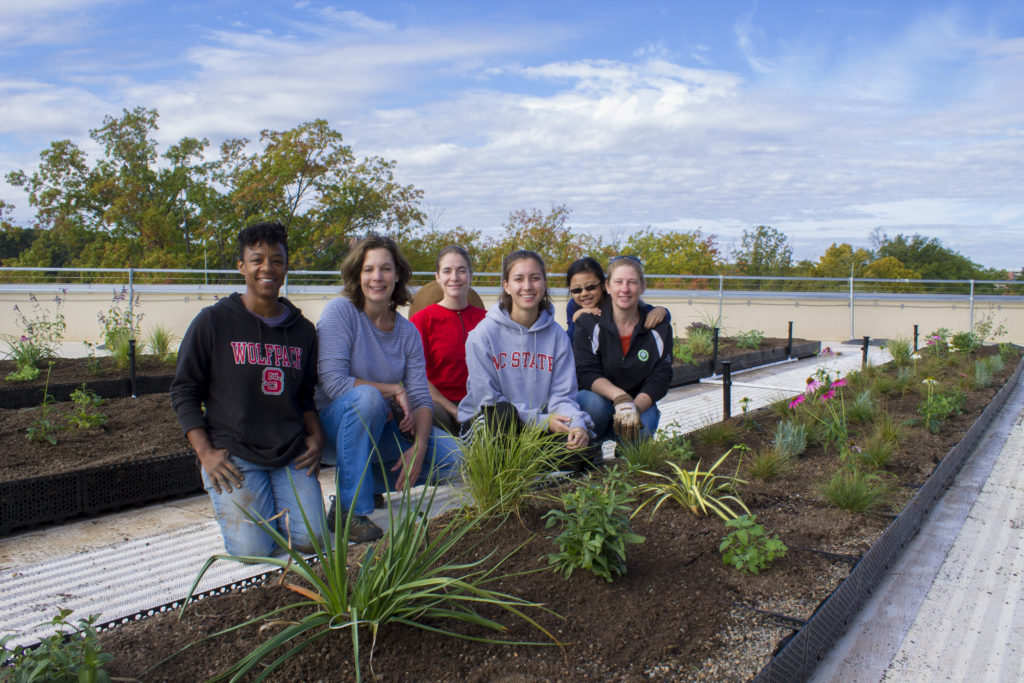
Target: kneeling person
(623, 367)
(251, 360)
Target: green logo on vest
(642, 355)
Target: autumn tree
(763, 251)
(675, 253)
(548, 234)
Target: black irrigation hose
(799, 623)
(837, 557)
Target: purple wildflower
(797, 401)
(828, 395)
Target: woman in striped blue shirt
(373, 394)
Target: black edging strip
(797, 660)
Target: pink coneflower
(812, 386)
(827, 351)
(828, 394)
(797, 401)
(839, 383)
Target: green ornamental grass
(410, 577)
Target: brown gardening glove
(626, 422)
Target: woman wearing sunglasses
(624, 366)
(585, 280)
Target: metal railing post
(714, 351)
(971, 326)
(726, 389)
(915, 337)
(721, 286)
(864, 352)
(131, 300)
(851, 309)
(789, 341)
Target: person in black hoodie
(623, 368)
(251, 361)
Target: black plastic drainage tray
(25, 503)
(798, 658)
(689, 373)
(28, 397)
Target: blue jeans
(356, 425)
(265, 492)
(602, 410)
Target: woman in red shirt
(443, 328)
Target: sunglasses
(624, 256)
(579, 290)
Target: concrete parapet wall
(814, 315)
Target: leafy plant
(790, 438)
(986, 327)
(85, 416)
(500, 465)
(967, 342)
(120, 325)
(748, 548)
(751, 339)
(936, 408)
(595, 530)
(39, 340)
(858, 490)
(44, 428)
(159, 341)
(72, 653)
(409, 578)
(682, 351)
(937, 342)
(700, 491)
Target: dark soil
(78, 370)
(677, 614)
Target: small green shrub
(767, 464)
(724, 434)
(44, 427)
(72, 653)
(595, 530)
(982, 375)
(748, 548)
(862, 409)
(858, 490)
(699, 491)
(39, 340)
(901, 350)
(878, 449)
(965, 342)
(790, 438)
(501, 465)
(655, 452)
(996, 363)
(700, 340)
(751, 339)
(682, 351)
(159, 341)
(85, 415)
(936, 408)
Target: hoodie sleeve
(190, 386)
(562, 400)
(482, 385)
(656, 384)
(309, 371)
(336, 330)
(588, 363)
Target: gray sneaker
(362, 530)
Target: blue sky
(826, 120)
